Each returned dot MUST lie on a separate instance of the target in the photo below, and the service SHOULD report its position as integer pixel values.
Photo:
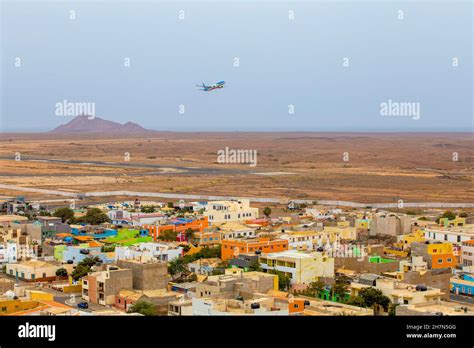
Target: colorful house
(328, 295)
(301, 266)
(107, 233)
(362, 224)
(457, 222)
(436, 254)
(78, 253)
(463, 285)
(179, 225)
(231, 248)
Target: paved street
(461, 298)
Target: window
(4, 309)
(449, 260)
(440, 260)
(459, 239)
(445, 237)
(44, 275)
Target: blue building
(463, 285)
(107, 233)
(79, 253)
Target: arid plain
(368, 168)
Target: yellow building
(10, 306)
(40, 295)
(225, 211)
(440, 248)
(340, 232)
(416, 236)
(302, 267)
(457, 222)
(362, 224)
(403, 245)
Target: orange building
(436, 254)
(233, 247)
(443, 261)
(296, 305)
(197, 225)
(207, 238)
(260, 222)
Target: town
(233, 257)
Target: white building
(467, 255)
(455, 235)
(323, 213)
(305, 240)
(8, 252)
(135, 219)
(225, 211)
(234, 230)
(143, 251)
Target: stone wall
(147, 276)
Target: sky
(284, 64)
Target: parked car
(83, 305)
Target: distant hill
(82, 124)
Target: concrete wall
(5, 285)
(34, 231)
(433, 278)
(147, 276)
(364, 266)
(390, 225)
(119, 280)
(161, 303)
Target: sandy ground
(380, 167)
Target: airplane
(217, 85)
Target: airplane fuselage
(212, 87)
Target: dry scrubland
(381, 167)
